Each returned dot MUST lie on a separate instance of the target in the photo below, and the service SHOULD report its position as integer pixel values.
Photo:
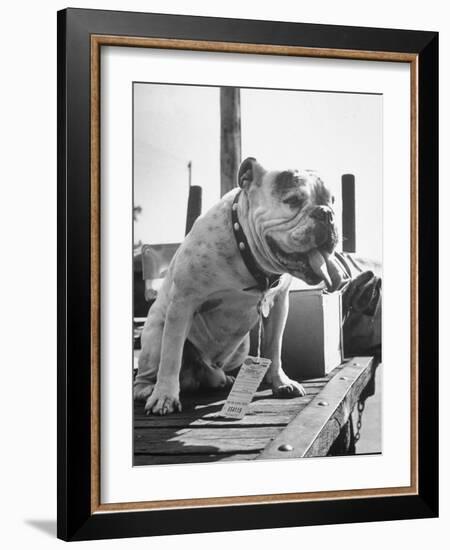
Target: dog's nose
(323, 214)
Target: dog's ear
(250, 172)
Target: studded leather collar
(264, 280)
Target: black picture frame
(77, 517)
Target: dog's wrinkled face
(291, 222)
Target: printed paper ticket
(244, 388)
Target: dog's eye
(294, 201)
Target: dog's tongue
(324, 266)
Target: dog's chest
(228, 302)
(227, 313)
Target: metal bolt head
(241, 246)
(285, 447)
(236, 226)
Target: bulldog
(237, 260)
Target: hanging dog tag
(244, 388)
(264, 306)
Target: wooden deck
(273, 428)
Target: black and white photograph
(257, 273)
(221, 236)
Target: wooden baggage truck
(314, 425)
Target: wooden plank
(313, 430)
(215, 399)
(267, 418)
(202, 440)
(265, 410)
(150, 460)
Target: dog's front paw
(163, 401)
(288, 388)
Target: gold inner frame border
(97, 41)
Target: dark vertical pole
(194, 208)
(230, 137)
(348, 213)
(190, 173)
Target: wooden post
(194, 208)
(230, 137)
(190, 173)
(348, 213)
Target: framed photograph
(247, 255)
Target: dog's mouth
(313, 266)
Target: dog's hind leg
(148, 362)
(196, 373)
(215, 378)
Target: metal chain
(361, 405)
